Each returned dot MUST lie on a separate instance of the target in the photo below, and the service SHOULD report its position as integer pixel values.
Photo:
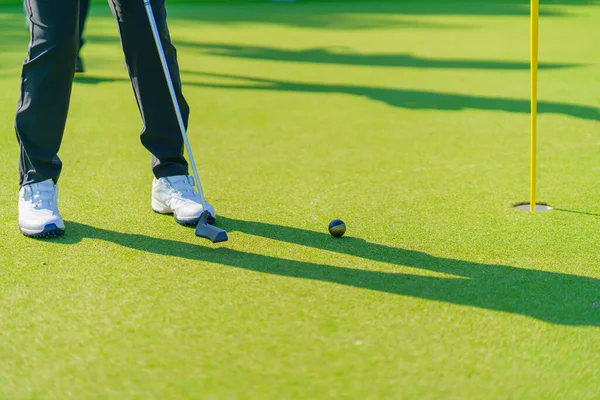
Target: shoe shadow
(548, 296)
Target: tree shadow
(548, 296)
(342, 56)
(408, 99)
(96, 80)
(403, 98)
(365, 14)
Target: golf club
(204, 229)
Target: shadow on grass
(344, 57)
(348, 14)
(576, 212)
(409, 99)
(96, 80)
(548, 296)
(368, 14)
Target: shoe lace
(42, 196)
(183, 187)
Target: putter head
(210, 232)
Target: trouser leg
(84, 7)
(46, 83)
(160, 134)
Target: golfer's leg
(160, 134)
(84, 6)
(46, 82)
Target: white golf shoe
(38, 210)
(176, 195)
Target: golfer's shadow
(548, 296)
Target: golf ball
(337, 228)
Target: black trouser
(84, 7)
(47, 77)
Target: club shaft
(165, 67)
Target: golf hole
(538, 207)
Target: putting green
(410, 122)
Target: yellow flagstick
(534, 75)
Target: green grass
(408, 121)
